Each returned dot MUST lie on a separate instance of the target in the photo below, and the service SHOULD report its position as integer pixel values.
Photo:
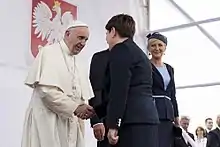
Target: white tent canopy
(193, 50)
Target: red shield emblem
(49, 20)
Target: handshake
(84, 111)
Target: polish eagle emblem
(50, 24)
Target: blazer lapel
(170, 73)
(158, 76)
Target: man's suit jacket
(191, 135)
(180, 141)
(97, 75)
(213, 138)
(129, 87)
(206, 132)
(167, 109)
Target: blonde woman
(163, 89)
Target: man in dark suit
(97, 75)
(213, 137)
(184, 123)
(131, 113)
(180, 141)
(208, 125)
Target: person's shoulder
(49, 52)
(167, 64)
(100, 53)
(50, 49)
(214, 130)
(120, 48)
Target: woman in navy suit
(163, 89)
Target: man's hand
(99, 131)
(84, 111)
(113, 136)
(176, 121)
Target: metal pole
(148, 23)
(146, 4)
(187, 25)
(198, 85)
(210, 37)
(148, 13)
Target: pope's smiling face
(76, 39)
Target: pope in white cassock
(58, 105)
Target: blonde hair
(153, 40)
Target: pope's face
(77, 38)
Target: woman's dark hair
(124, 25)
(202, 129)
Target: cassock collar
(65, 47)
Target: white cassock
(59, 87)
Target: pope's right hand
(84, 111)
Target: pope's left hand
(113, 136)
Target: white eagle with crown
(46, 27)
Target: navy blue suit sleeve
(173, 99)
(92, 72)
(94, 120)
(119, 80)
